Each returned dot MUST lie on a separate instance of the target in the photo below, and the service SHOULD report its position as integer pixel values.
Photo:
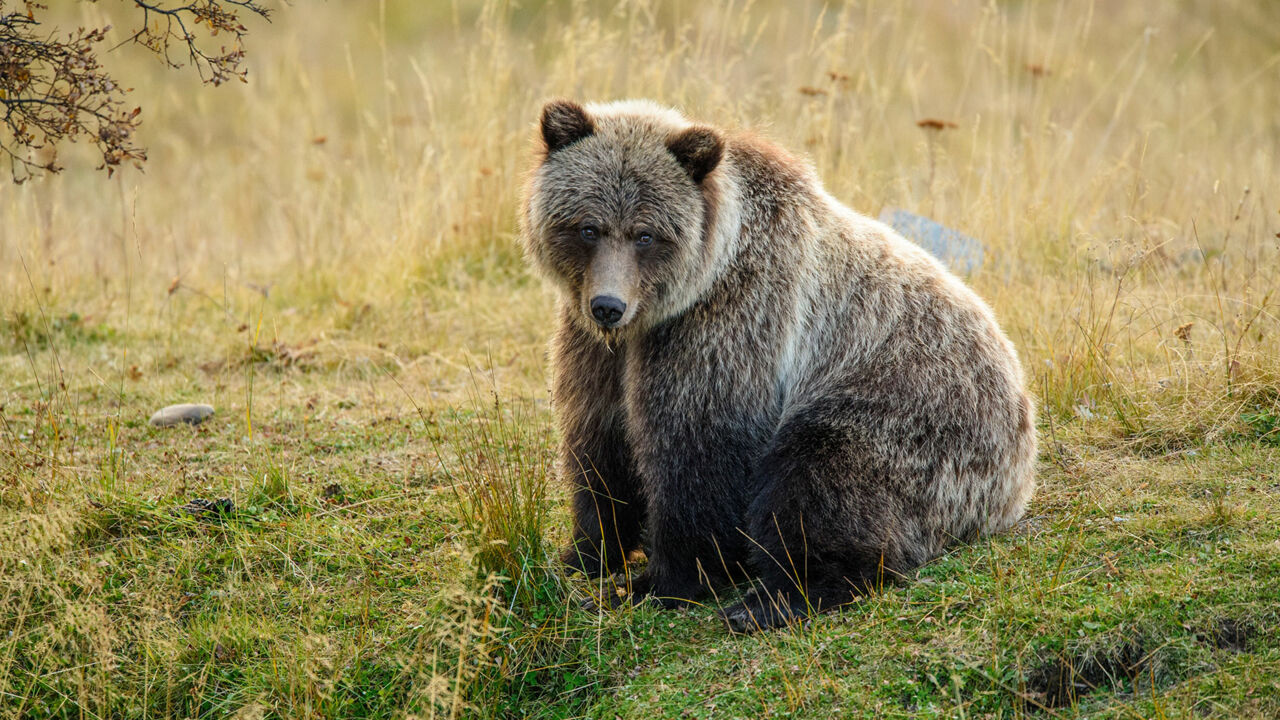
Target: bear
(752, 382)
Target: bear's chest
(697, 375)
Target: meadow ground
(327, 255)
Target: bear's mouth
(610, 335)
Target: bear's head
(617, 210)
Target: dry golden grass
(329, 252)
(1118, 160)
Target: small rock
(178, 414)
(1194, 255)
(959, 252)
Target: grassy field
(328, 256)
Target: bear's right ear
(564, 122)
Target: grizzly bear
(753, 382)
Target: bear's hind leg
(833, 520)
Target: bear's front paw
(617, 590)
(622, 589)
(643, 589)
(610, 597)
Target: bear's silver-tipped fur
(752, 380)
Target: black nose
(607, 310)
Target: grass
(327, 256)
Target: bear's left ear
(564, 122)
(698, 150)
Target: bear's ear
(698, 149)
(564, 122)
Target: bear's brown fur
(753, 381)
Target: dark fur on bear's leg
(606, 527)
(829, 522)
(693, 547)
(606, 524)
(608, 508)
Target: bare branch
(53, 89)
(166, 27)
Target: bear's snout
(607, 310)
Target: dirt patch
(207, 510)
(1063, 679)
(1230, 634)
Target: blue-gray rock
(179, 414)
(959, 252)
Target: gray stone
(178, 414)
(959, 252)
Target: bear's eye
(589, 233)
(644, 239)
